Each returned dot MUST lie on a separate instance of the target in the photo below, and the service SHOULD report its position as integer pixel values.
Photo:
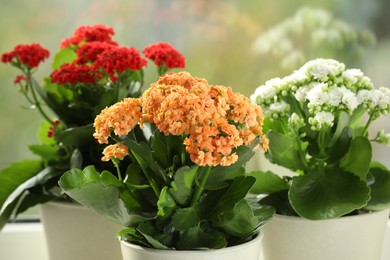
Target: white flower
(350, 100)
(323, 68)
(321, 120)
(266, 92)
(279, 108)
(318, 95)
(364, 96)
(335, 95)
(384, 101)
(352, 75)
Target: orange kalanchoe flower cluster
(214, 120)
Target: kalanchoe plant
(90, 71)
(185, 144)
(317, 120)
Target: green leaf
(197, 238)
(152, 235)
(42, 134)
(77, 136)
(160, 149)
(132, 236)
(166, 204)
(237, 191)
(380, 189)
(285, 151)
(358, 158)
(15, 175)
(267, 182)
(185, 218)
(101, 194)
(240, 221)
(65, 55)
(280, 202)
(143, 154)
(327, 193)
(76, 159)
(183, 183)
(47, 152)
(220, 174)
(7, 211)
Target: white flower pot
(386, 244)
(246, 251)
(347, 238)
(74, 232)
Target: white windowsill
(23, 241)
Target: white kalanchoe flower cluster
(319, 91)
(312, 31)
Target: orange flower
(118, 151)
(120, 117)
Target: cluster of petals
(163, 53)
(88, 52)
(87, 33)
(120, 118)
(28, 54)
(116, 60)
(213, 119)
(115, 151)
(71, 73)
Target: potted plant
(90, 71)
(317, 120)
(185, 143)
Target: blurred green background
(217, 37)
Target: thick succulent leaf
(13, 178)
(183, 183)
(65, 55)
(220, 175)
(7, 211)
(285, 151)
(239, 221)
(102, 194)
(358, 158)
(185, 218)
(380, 189)
(152, 235)
(267, 182)
(166, 204)
(197, 238)
(237, 191)
(325, 194)
(77, 136)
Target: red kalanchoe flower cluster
(164, 54)
(28, 54)
(89, 52)
(72, 74)
(98, 32)
(116, 60)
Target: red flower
(28, 54)
(20, 78)
(52, 128)
(94, 33)
(72, 73)
(89, 51)
(116, 60)
(164, 54)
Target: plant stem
(199, 191)
(146, 173)
(118, 171)
(36, 101)
(370, 119)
